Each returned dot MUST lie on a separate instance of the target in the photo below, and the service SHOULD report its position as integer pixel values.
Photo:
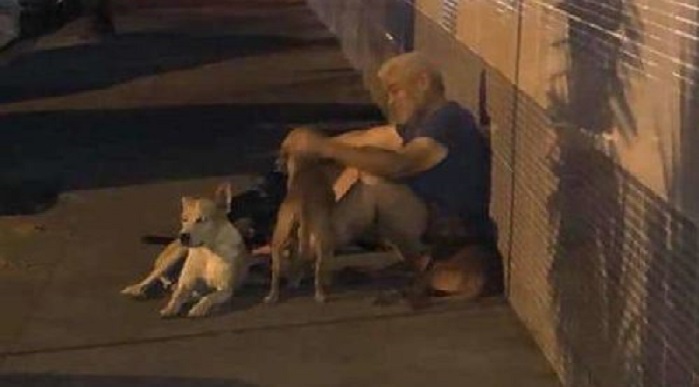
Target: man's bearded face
(403, 101)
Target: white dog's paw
(168, 312)
(135, 291)
(321, 298)
(199, 310)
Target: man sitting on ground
(424, 176)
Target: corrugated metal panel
(613, 32)
(450, 13)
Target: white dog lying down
(216, 257)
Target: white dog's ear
(223, 196)
(187, 201)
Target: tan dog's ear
(223, 197)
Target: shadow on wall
(594, 272)
(596, 78)
(685, 189)
(672, 329)
(55, 380)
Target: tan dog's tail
(304, 240)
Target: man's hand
(416, 156)
(305, 141)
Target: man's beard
(411, 115)
(403, 115)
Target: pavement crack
(454, 308)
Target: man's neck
(433, 104)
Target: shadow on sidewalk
(73, 69)
(48, 152)
(63, 380)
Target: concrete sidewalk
(80, 330)
(179, 125)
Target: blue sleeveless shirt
(460, 184)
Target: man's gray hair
(405, 67)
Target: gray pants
(391, 211)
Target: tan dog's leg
(185, 286)
(296, 269)
(273, 295)
(320, 253)
(280, 238)
(204, 306)
(169, 257)
(182, 294)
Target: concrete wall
(594, 176)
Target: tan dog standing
(216, 258)
(304, 226)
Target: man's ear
(423, 82)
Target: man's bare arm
(384, 137)
(419, 155)
(391, 162)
